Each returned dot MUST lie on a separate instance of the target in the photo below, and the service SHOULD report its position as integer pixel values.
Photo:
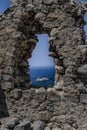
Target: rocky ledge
(12, 123)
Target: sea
(42, 72)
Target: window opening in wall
(42, 69)
(85, 19)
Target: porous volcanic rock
(63, 106)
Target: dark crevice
(3, 106)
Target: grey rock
(30, 7)
(83, 49)
(16, 93)
(59, 69)
(37, 2)
(56, 128)
(4, 129)
(7, 77)
(25, 125)
(83, 127)
(40, 16)
(68, 127)
(40, 90)
(83, 98)
(53, 96)
(38, 125)
(48, 2)
(7, 85)
(82, 70)
(8, 69)
(47, 128)
(9, 122)
(63, 21)
(54, 32)
(1, 60)
(57, 87)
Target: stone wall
(65, 103)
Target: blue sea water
(38, 72)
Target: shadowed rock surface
(3, 105)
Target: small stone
(83, 49)
(17, 13)
(9, 122)
(51, 39)
(56, 128)
(53, 96)
(82, 70)
(25, 125)
(52, 54)
(9, 30)
(84, 127)
(40, 90)
(68, 127)
(54, 32)
(1, 60)
(47, 128)
(50, 124)
(58, 87)
(7, 85)
(38, 125)
(44, 115)
(29, 7)
(4, 129)
(83, 98)
(7, 77)
(8, 70)
(40, 16)
(17, 93)
(50, 89)
(47, 2)
(59, 69)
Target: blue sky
(85, 27)
(3, 5)
(40, 54)
(83, 0)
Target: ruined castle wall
(62, 20)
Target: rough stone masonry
(63, 107)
